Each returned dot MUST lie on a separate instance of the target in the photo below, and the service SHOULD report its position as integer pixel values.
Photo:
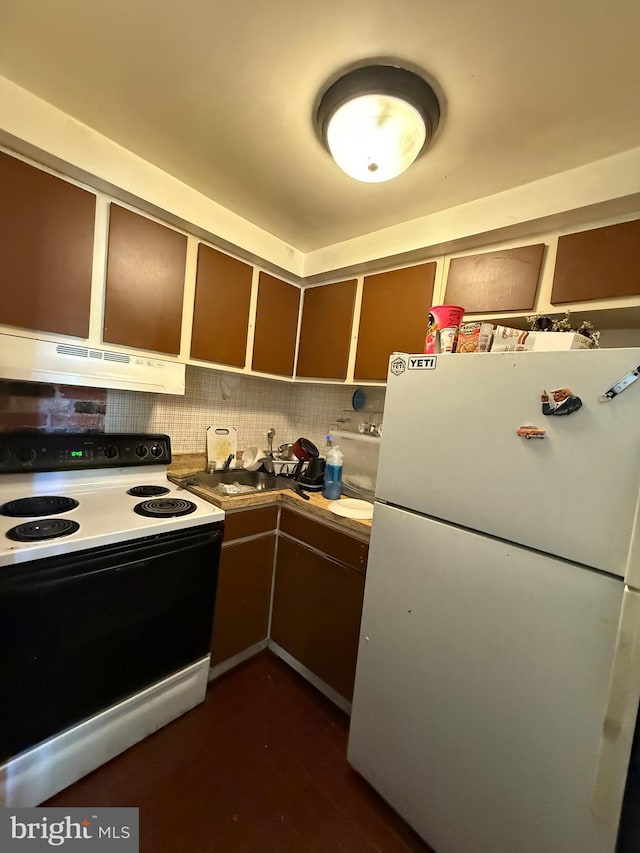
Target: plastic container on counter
(332, 488)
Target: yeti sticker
(422, 362)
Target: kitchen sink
(259, 480)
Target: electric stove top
(67, 492)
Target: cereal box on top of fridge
(474, 337)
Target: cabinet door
(250, 522)
(597, 264)
(221, 308)
(393, 317)
(145, 283)
(243, 597)
(505, 280)
(325, 333)
(274, 343)
(46, 250)
(317, 607)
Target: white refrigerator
(498, 673)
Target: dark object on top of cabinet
(393, 317)
(325, 333)
(145, 283)
(221, 308)
(505, 280)
(274, 342)
(597, 264)
(46, 250)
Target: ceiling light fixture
(376, 120)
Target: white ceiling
(221, 94)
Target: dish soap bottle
(332, 488)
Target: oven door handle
(76, 567)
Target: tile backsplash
(251, 404)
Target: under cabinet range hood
(32, 360)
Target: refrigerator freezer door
(450, 450)
(481, 688)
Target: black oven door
(81, 632)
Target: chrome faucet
(270, 436)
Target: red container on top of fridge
(442, 329)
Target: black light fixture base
(391, 80)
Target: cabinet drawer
(249, 522)
(346, 549)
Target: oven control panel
(34, 451)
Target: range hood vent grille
(33, 360)
(83, 352)
(66, 349)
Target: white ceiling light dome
(376, 120)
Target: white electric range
(108, 576)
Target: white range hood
(31, 360)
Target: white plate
(351, 508)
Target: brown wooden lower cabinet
(244, 583)
(317, 607)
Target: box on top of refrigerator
(506, 339)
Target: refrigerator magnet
(562, 402)
(531, 431)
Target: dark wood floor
(259, 767)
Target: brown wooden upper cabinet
(597, 264)
(46, 250)
(491, 282)
(274, 342)
(145, 283)
(325, 333)
(393, 317)
(221, 308)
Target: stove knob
(25, 454)
(110, 451)
(156, 450)
(141, 451)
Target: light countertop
(186, 464)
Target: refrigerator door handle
(621, 712)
